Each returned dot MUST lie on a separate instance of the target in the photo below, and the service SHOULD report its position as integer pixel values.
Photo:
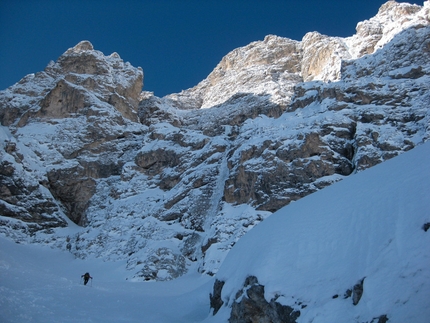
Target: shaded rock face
(293, 167)
(356, 292)
(381, 319)
(73, 190)
(215, 299)
(154, 161)
(172, 183)
(26, 201)
(251, 306)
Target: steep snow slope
(371, 227)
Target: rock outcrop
(251, 306)
(170, 184)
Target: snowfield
(369, 226)
(39, 284)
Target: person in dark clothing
(86, 277)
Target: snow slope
(368, 225)
(39, 284)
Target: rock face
(73, 99)
(251, 306)
(170, 184)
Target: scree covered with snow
(370, 226)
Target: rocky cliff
(93, 165)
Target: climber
(86, 277)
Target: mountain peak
(82, 46)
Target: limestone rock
(73, 190)
(24, 198)
(154, 161)
(79, 83)
(269, 65)
(322, 56)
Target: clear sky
(176, 42)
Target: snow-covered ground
(39, 284)
(369, 226)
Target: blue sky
(176, 42)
